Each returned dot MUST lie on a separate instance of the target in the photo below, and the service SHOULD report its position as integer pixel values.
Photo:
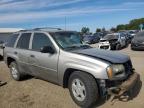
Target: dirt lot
(36, 93)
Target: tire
(1, 58)
(118, 47)
(132, 48)
(16, 75)
(86, 93)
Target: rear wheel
(16, 75)
(1, 57)
(83, 89)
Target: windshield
(69, 40)
(109, 37)
(140, 34)
(131, 32)
(103, 40)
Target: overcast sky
(78, 13)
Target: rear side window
(24, 40)
(4, 37)
(40, 40)
(11, 41)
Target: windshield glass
(103, 40)
(131, 32)
(68, 40)
(140, 34)
(109, 37)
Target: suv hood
(110, 56)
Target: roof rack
(47, 28)
(44, 28)
(23, 30)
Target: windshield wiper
(80, 46)
(85, 46)
(71, 47)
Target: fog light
(102, 83)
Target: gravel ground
(36, 93)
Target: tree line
(132, 25)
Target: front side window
(24, 40)
(40, 40)
(11, 41)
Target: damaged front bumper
(124, 86)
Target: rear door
(43, 65)
(22, 51)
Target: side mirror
(47, 49)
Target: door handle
(15, 53)
(32, 56)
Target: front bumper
(137, 46)
(124, 86)
(104, 46)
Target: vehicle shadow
(127, 96)
(138, 50)
(27, 77)
(127, 45)
(1, 58)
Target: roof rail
(47, 28)
(23, 30)
(44, 28)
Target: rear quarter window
(11, 41)
(4, 37)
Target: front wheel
(83, 89)
(1, 57)
(118, 47)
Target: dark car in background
(127, 36)
(3, 39)
(132, 32)
(91, 39)
(5, 33)
(138, 41)
(100, 34)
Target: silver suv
(61, 57)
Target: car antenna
(65, 23)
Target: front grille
(113, 83)
(104, 47)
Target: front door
(43, 65)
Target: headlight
(114, 70)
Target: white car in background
(104, 44)
(113, 41)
